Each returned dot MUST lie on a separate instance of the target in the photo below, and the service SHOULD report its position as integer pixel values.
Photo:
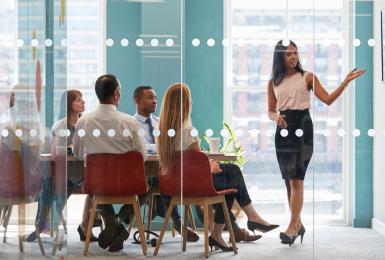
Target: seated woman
(75, 106)
(175, 115)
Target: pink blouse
(292, 93)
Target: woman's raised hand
(352, 75)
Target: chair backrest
(19, 177)
(193, 170)
(113, 175)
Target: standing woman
(289, 104)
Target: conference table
(75, 167)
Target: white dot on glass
(48, 42)
(371, 132)
(96, 132)
(284, 132)
(19, 132)
(126, 133)
(139, 42)
(124, 42)
(371, 42)
(156, 132)
(210, 42)
(326, 132)
(4, 133)
(225, 42)
(141, 132)
(109, 42)
(171, 132)
(356, 42)
(285, 42)
(63, 42)
(34, 42)
(356, 132)
(20, 42)
(196, 42)
(223, 133)
(154, 42)
(209, 132)
(111, 132)
(299, 132)
(239, 132)
(341, 132)
(62, 132)
(194, 132)
(68, 132)
(169, 42)
(81, 132)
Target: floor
(322, 242)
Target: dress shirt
(118, 133)
(151, 146)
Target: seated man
(145, 100)
(106, 117)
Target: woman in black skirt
(289, 104)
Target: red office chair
(59, 187)
(197, 189)
(18, 187)
(115, 178)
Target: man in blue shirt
(146, 102)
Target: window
(85, 49)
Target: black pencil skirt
(295, 150)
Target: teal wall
(160, 66)
(203, 65)
(155, 66)
(363, 179)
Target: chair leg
(21, 226)
(149, 217)
(229, 226)
(185, 224)
(192, 219)
(211, 218)
(90, 224)
(140, 227)
(206, 227)
(130, 225)
(64, 223)
(55, 243)
(163, 230)
(6, 217)
(39, 241)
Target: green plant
(231, 146)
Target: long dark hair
(279, 69)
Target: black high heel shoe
(301, 232)
(216, 244)
(286, 239)
(251, 225)
(84, 236)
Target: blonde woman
(175, 114)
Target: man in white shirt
(107, 130)
(146, 102)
